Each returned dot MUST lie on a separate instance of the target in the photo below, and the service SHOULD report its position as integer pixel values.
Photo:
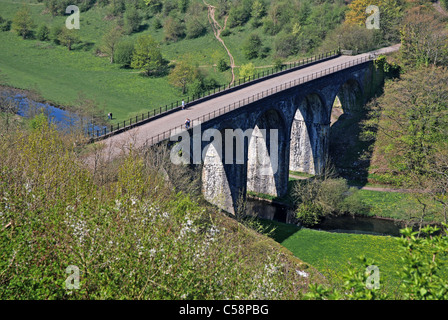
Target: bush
(43, 33)
(222, 65)
(124, 52)
(5, 25)
(194, 28)
(132, 238)
(252, 46)
(174, 29)
(132, 20)
(321, 197)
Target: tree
(43, 33)
(222, 65)
(147, 55)
(174, 29)
(110, 41)
(132, 19)
(252, 46)
(247, 70)
(194, 28)
(69, 37)
(182, 74)
(5, 25)
(423, 39)
(124, 52)
(22, 22)
(390, 16)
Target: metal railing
(101, 132)
(261, 95)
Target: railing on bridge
(214, 114)
(101, 132)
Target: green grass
(60, 76)
(396, 205)
(333, 253)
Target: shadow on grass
(280, 231)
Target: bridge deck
(141, 135)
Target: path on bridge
(140, 135)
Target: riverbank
(383, 202)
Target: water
(342, 224)
(64, 120)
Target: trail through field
(217, 30)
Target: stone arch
(309, 132)
(215, 183)
(347, 100)
(224, 167)
(345, 115)
(267, 162)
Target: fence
(214, 114)
(106, 131)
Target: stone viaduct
(298, 116)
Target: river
(343, 224)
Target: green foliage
(222, 65)
(423, 272)
(147, 55)
(133, 238)
(252, 46)
(194, 28)
(110, 41)
(43, 33)
(23, 23)
(317, 198)
(182, 75)
(425, 258)
(423, 40)
(411, 117)
(5, 25)
(124, 52)
(247, 70)
(174, 29)
(132, 19)
(69, 37)
(444, 4)
(391, 69)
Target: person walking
(183, 104)
(187, 123)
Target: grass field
(60, 76)
(333, 253)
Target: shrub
(133, 238)
(132, 19)
(222, 65)
(43, 33)
(174, 29)
(194, 28)
(252, 46)
(321, 197)
(124, 52)
(5, 25)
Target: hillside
(183, 31)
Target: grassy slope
(61, 76)
(337, 249)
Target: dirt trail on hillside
(217, 30)
(439, 8)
